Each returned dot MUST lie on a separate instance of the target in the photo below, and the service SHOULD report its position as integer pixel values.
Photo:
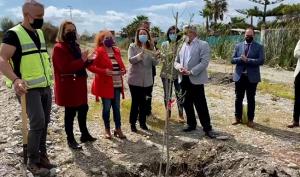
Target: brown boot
(237, 121)
(107, 134)
(250, 124)
(118, 133)
(36, 170)
(45, 163)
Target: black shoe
(36, 170)
(87, 138)
(189, 129)
(293, 125)
(74, 145)
(133, 128)
(211, 134)
(144, 127)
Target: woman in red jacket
(71, 81)
(108, 83)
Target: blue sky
(94, 15)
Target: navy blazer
(256, 57)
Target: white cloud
(94, 21)
(84, 20)
(169, 6)
(17, 12)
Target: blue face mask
(143, 38)
(173, 37)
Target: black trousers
(70, 113)
(296, 114)
(195, 96)
(241, 87)
(138, 104)
(148, 104)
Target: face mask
(37, 23)
(249, 39)
(108, 42)
(70, 36)
(187, 39)
(173, 37)
(143, 38)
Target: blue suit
(247, 76)
(256, 57)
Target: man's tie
(246, 54)
(247, 49)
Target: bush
(280, 44)
(124, 43)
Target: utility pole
(70, 10)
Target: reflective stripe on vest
(31, 46)
(35, 66)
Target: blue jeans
(115, 104)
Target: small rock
(292, 165)
(9, 151)
(95, 171)
(104, 174)
(2, 141)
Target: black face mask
(37, 23)
(70, 36)
(249, 39)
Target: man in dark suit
(248, 56)
(192, 62)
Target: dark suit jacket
(256, 57)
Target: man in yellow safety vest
(25, 62)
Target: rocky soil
(268, 150)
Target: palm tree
(218, 8)
(207, 13)
(265, 3)
(254, 12)
(131, 28)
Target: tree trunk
(265, 13)
(251, 20)
(207, 24)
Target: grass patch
(277, 89)
(124, 54)
(216, 95)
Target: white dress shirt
(187, 52)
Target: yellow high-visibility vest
(35, 67)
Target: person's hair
(250, 28)
(100, 37)
(192, 28)
(61, 30)
(144, 22)
(149, 43)
(177, 32)
(29, 3)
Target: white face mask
(186, 39)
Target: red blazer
(102, 85)
(69, 91)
